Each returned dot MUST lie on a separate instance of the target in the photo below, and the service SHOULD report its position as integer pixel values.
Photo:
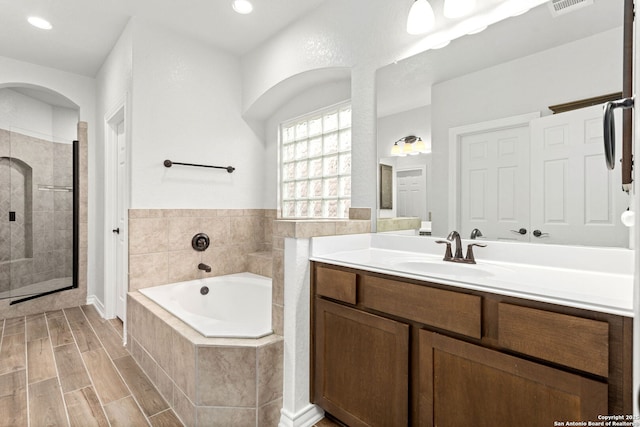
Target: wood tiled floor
(69, 368)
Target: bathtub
(235, 306)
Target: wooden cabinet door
(462, 384)
(361, 364)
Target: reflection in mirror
(37, 208)
(516, 68)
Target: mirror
(38, 206)
(514, 70)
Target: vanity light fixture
(242, 6)
(408, 146)
(421, 17)
(458, 8)
(38, 22)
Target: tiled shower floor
(69, 368)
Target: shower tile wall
(160, 249)
(41, 237)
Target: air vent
(560, 7)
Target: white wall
(114, 89)
(30, 116)
(578, 70)
(64, 124)
(25, 114)
(187, 108)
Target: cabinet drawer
(336, 284)
(453, 311)
(568, 340)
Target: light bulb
(242, 6)
(38, 22)
(396, 150)
(421, 17)
(458, 8)
(419, 146)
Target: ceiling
(85, 31)
(407, 83)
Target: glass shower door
(36, 214)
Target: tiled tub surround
(160, 249)
(73, 297)
(207, 381)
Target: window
(315, 161)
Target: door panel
(574, 198)
(494, 183)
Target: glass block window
(315, 164)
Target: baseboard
(93, 300)
(307, 417)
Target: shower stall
(38, 207)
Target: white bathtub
(237, 305)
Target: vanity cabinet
(364, 362)
(389, 351)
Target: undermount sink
(428, 267)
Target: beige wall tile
(277, 319)
(148, 235)
(184, 408)
(284, 228)
(218, 229)
(184, 374)
(165, 386)
(226, 376)
(148, 270)
(269, 414)
(360, 213)
(161, 353)
(181, 231)
(277, 282)
(246, 229)
(270, 372)
(224, 417)
(183, 265)
(306, 229)
(353, 227)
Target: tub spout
(204, 267)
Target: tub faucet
(204, 267)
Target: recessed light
(242, 6)
(38, 22)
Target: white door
(575, 199)
(412, 193)
(494, 183)
(120, 214)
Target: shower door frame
(76, 230)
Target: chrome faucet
(454, 236)
(204, 267)
(475, 233)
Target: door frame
(114, 116)
(455, 138)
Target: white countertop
(599, 279)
